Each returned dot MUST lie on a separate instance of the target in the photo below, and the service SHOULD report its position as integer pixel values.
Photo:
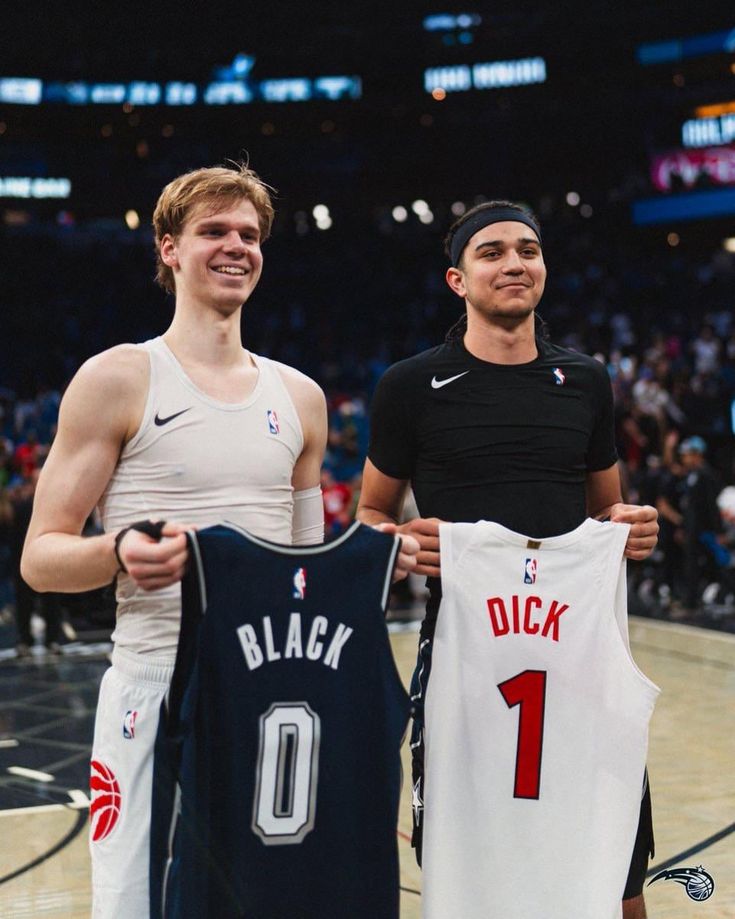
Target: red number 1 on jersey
(528, 690)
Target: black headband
(484, 218)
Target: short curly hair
(219, 186)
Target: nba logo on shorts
(299, 584)
(273, 425)
(529, 576)
(129, 725)
(559, 376)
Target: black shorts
(644, 843)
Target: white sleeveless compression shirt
(199, 461)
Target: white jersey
(536, 727)
(200, 461)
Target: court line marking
(79, 801)
(694, 850)
(681, 628)
(682, 655)
(682, 856)
(33, 774)
(60, 745)
(81, 822)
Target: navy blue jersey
(278, 756)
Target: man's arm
(604, 499)
(311, 407)
(380, 504)
(101, 410)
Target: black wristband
(149, 527)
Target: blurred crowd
(343, 306)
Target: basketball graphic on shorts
(105, 809)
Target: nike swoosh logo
(161, 421)
(437, 384)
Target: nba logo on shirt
(129, 725)
(559, 376)
(529, 576)
(299, 584)
(273, 425)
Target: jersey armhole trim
(145, 418)
(199, 568)
(389, 574)
(615, 578)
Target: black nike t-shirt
(481, 441)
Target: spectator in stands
(706, 349)
(27, 455)
(701, 519)
(338, 504)
(668, 501)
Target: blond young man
(191, 429)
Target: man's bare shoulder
(116, 365)
(113, 384)
(122, 371)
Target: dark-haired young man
(498, 424)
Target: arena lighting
(688, 206)
(180, 94)
(709, 132)
(419, 207)
(320, 212)
(492, 75)
(324, 223)
(687, 167)
(27, 187)
(572, 198)
(458, 208)
(679, 48)
(21, 90)
(240, 67)
(30, 91)
(712, 111)
(448, 22)
(729, 244)
(673, 239)
(399, 214)
(586, 210)
(132, 219)
(426, 217)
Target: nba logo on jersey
(273, 425)
(529, 576)
(559, 376)
(299, 584)
(129, 725)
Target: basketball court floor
(46, 717)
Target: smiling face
(216, 259)
(501, 274)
